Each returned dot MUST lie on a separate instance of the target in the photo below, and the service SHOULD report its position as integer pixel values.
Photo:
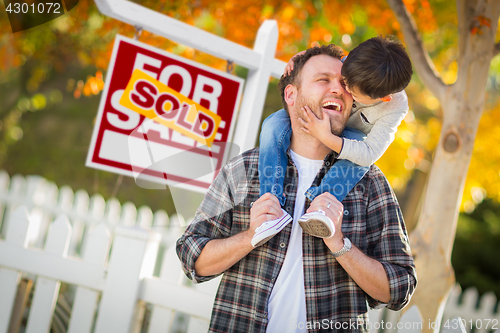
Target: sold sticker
(155, 100)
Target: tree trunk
(462, 103)
(411, 200)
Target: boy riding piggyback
(375, 74)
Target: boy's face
(359, 97)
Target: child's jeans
(273, 160)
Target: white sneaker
(317, 224)
(268, 229)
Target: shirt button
(273, 279)
(327, 163)
(288, 209)
(282, 245)
(346, 212)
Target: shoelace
(271, 222)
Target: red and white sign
(129, 143)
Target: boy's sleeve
(382, 134)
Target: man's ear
(290, 94)
(387, 98)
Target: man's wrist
(247, 236)
(335, 243)
(345, 248)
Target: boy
(375, 73)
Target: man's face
(322, 89)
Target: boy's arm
(333, 142)
(380, 136)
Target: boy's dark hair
(299, 62)
(378, 67)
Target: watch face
(347, 243)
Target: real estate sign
(163, 119)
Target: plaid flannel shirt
(334, 302)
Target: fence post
(198, 324)
(95, 215)
(129, 215)
(14, 196)
(84, 306)
(254, 94)
(46, 201)
(132, 258)
(46, 290)
(9, 279)
(171, 272)
(4, 190)
(80, 206)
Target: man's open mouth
(334, 106)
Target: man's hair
(299, 62)
(378, 67)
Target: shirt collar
(330, 157)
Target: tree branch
(421, 60)
(496, 51)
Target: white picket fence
(463, 312)
(141, 288)
(125, 283)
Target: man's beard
(336, 127)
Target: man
(296, 282)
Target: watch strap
(347, 246)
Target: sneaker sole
(316, 228)
(264, 241)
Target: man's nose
(336, 87)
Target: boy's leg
(339, 181)
(274, 142)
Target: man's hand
(220, 254)
(335, 211)
(368, 273)
(266, 208)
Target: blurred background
(52, 76)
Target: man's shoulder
(376, 177)
(248, 156)
(377, 184)
(249, 159)
(375, 173)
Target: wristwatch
(344, 250)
